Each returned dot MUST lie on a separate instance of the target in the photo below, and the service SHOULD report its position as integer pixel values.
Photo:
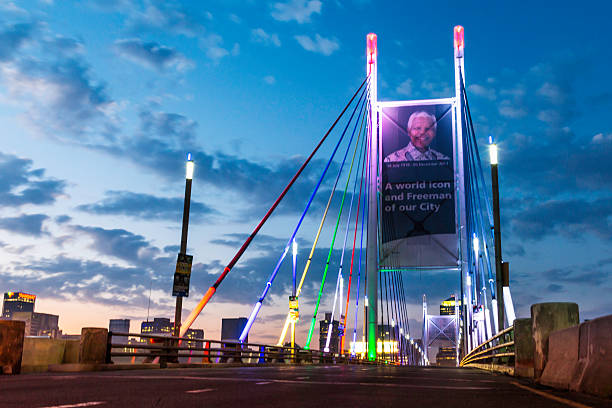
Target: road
(283, 386)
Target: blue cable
(257, 306)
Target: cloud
(145, 206)
(571, 218)
(20, 185)
(405, 88)
(13, 37)
(211, 44)
(298, 10)
(60, 98)
(320, 45)
(258, 35)
(118, 243)
(25, 224)
(234, 18)
(169, 16)
(152, 55)
(269, 79)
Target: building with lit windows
(17, 302)
(447, 308)
(335, 336)
(446, 357)
(159, 325)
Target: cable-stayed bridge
(410, 195)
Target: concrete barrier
(546, 318)
(11, 346)
(562, 358)
(523, 348)
(593, 373)
(40, 353)
(92, 348)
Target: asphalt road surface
(283, 386)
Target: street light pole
(183, 251)
(497, 235)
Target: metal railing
(161, 349)
(497, 353)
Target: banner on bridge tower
(418, 227)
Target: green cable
(331, 248)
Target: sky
(100, 101)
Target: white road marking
(199, 391)
(302, 378)
(334, 383)
(551, 397)
(80, 404)
(263, 382)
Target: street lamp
(184, 261)
(497, 235)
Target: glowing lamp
(366, 301)
(459, 43)
(492, 151)
(189, 167)
(476, 243)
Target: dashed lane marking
(263, 382)
(199, 391)
(78, 405)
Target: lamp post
(183, 265)
(497, 235)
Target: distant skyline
(101, 101)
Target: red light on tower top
(459, 43)
(371, 48)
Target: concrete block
(40, 352)
(562, 358)
(92, 347)
(11, 346)
(546, 318)
(523, 348)
(71, 352)
(594, 369)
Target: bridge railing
(155, 348)
(495, 354)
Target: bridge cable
(331, 248)
(365, 209)
(348, 292)
(340, 280)
(211, 291)
(259, 303)
(316, 240)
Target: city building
(231, 329)
(119, 326)
(335, 335)
(193, 335)
(163, 326)
(39, 324)
(17, 302)
(159, 325)
(447, 357)
(447, 308)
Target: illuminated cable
(253, 316)
(331, 248)
(211, 291)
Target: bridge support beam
(371, 303)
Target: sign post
(183, 263)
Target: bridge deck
(282, 386)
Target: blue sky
(101, 100)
